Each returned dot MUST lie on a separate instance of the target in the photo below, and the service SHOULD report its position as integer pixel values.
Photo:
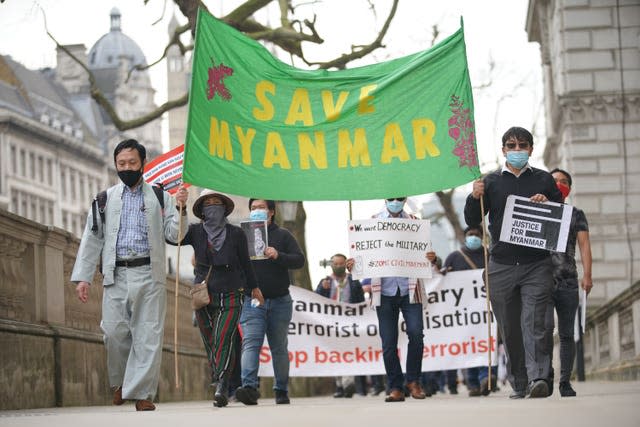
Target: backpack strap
(97, 207)
(100, 202)
(159, 190)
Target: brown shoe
(395, 396)
(117, 396)
(145, 405)
(415, 389)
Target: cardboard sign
(390, 247)
(166, 170)
(257, 238)
(536, 225)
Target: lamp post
(294, 219)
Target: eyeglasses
(400, 199)
(520, 144)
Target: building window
(40, 169)
(23, 163)
(49, 172)
(13, 208)
(14, 160)
(175, 65)
(63, 179)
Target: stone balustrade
(52, 351)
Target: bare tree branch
(101, 99)
(175, 40)
(446, 201)
(342, 61)
(244, 11)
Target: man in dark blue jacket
(340, 286)
(520, 277)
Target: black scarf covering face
(214, 224)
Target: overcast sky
(494, 31)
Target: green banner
(258, 127)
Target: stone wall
(612, 338)
(52, 352)
(591, 63)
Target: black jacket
(498, 186)
(273, 274)
(356, 294)
(231, 270)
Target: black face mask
(129, 177)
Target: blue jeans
(477, 374)
(388, 314)
(271, 319)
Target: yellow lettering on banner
(300, 108)
(310, 151)
(245, 139)
(274, 152)
(356, 152)
(267, 111)
(364, 104)
(332, 111)
(423, 132)
(393, 145)
(219, 140)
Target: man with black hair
(271, 318)
(520, 278)
(131, 244)
(565, 289)
(342, 287)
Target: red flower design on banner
(461, 130)
(215, 84)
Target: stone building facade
(591, 67)
(56, 143)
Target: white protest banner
(166, 170)
(329, 338)
(455, 323)
(537, 225)
(390, 247)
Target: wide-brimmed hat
(197, 206)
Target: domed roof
(110, 47)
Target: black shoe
(376, 391)
(247, 395)
(282, 398)
(518, 394)
(349, 390)
(453, 390)
(566, 390)
(339, 392)
(221, 396)
(484, 387)
(538, 388)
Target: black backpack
(100, 201)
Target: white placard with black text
(390, 247)
(536, 225)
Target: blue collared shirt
(133, 241)
(390, 285)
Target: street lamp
(289, 210)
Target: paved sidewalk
(598, 404)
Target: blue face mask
(258, 215)
(473, 242)
(517, 159)
(394, 206)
